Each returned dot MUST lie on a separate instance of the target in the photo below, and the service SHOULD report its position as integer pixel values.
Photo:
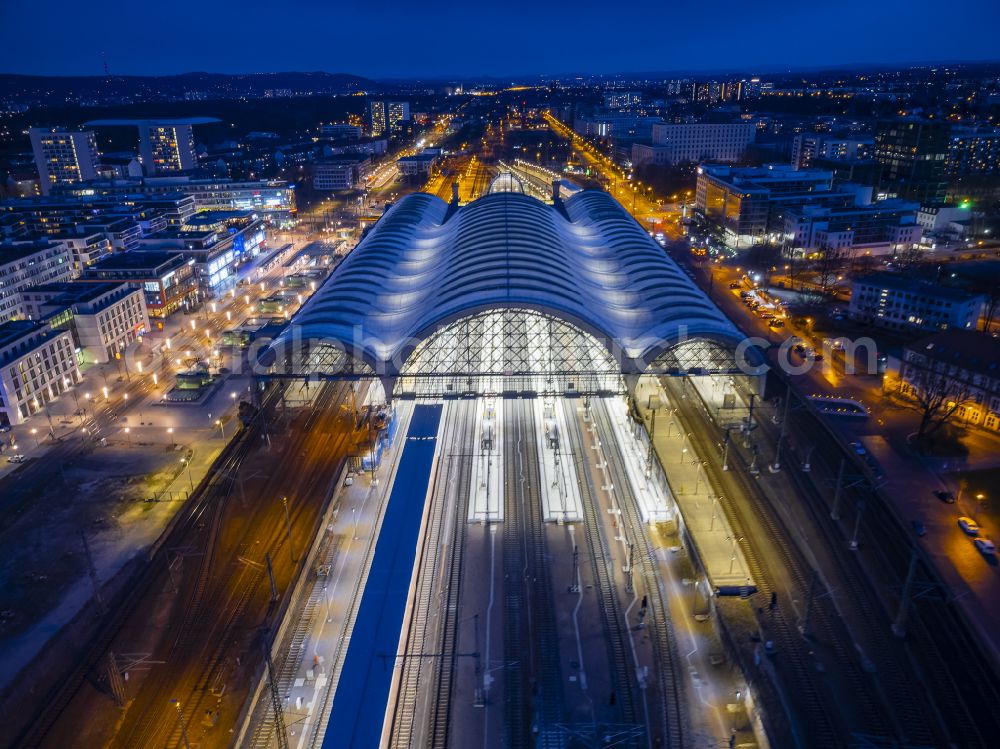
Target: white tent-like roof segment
(588, 262)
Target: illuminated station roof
(584, 260)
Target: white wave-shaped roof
(422, 266)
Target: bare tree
(935, 395)
(828, 266)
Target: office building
(898, 303)
(29, 263)
(64, 157)
(747, 204)
(343, 173)
(103, 317)
(340, 130)
(883, 228)
(167, 147)
(37, 364)
(690, 142)
(963, 364)
(810, 147)
(378, 118)
(617, 125)
(417, 165)
(182, 196)
(912, 155)
(167, 279)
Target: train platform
(702, 514)
(560, 489)
(359, 703)
(486, 500)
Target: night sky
(454, 39)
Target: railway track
(813, 706)
(929, 701)
(669, 678)
(294, 648)
(620, 661)
(120, 609)
(433, 626)
(205, 649)
(532, 681)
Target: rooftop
(135, 261)
(905, 283)
(426, 264)
(971, 350)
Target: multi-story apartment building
(37, 364)
(973, 151)
(64, 157)
(899, 303)
(690, 142)
(961, 365)
(86, 248)
(26, 264)
(166, 147)
(912, 154)
(378, 117)
(808, 147)
(103, 317)
(167, 279)
(397, 113)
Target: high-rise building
(64, 156)
(377, 117)
(973, 151)
(912, 154)
(398, 113)
(167, 147)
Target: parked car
(919, 528)
(985, 546)
(16, 458)
(858, 448)
(734, 285)
(944, 496)
(969, 526)
(776, 323)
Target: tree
(829, 264)
(936, 396)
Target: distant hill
(54, 90)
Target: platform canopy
(428, 268)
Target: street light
(222, 427)
(34, 434)
(170, 432)
(185, 461)
(128, 436)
